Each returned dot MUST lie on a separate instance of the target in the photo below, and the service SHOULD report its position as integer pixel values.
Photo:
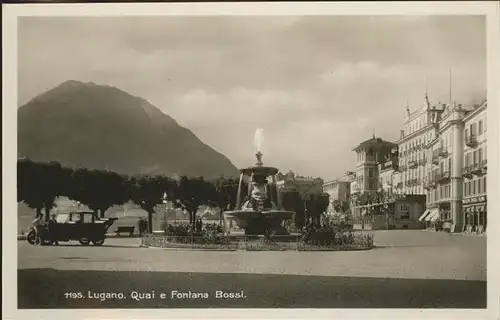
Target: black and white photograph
(252, 159)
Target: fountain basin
(256, 222)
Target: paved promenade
(406, 269)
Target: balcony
(443, 176)
(432, 183)
(467, 172)
(443, 152)
(435, 160)
(471, 140)
(484, 164)
(477, 169)
(427, 184)
(412, 164)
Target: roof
(374, 142)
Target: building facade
(419, 129)
(455, 171)
(475, 163)
(368, 155)
(304, 185)
(338, 190)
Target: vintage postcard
(251, 160)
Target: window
(87, 218)
(474, 158)
(449, 165)
(480, 155)
(75, 217)
(480, 127)
(465, 190)
(370, 172)
(473, 187)
(485, 184)
(466, 160)
(473, 129)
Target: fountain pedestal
(261, 213)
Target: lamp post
(165, 208)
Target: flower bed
(358, 242)
(311, 239)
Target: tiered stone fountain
(262, 212)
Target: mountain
(98, 127)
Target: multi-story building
(304, 185)
(455, 173)
(387, 170)
(385, 209)
(368, 154)
(338, 190)
(474, 169)
(419, 129)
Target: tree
(147, 192)
(316, 204)
(191, 193)
(39, 184)
(341, 206)
(291, 200)
(226, 193)
(98, 189)
(29, 184)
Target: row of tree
(39, 184)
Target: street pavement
(412, 269)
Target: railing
(484, 164)
(427, 184)
(471, 140)
(443, 152)
(443, 176)
(477, 169)
(413, 182)
(412, 164)
(467, 172)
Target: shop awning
(422, 217)
(433, 215)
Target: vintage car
(82, 226)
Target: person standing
(38, 226)
(52, 224)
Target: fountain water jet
(262, 210)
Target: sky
(316, 85)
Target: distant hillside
(97, 127)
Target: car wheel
(85, 241)
(31, 237)
(99, 242)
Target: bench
(129, 230)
